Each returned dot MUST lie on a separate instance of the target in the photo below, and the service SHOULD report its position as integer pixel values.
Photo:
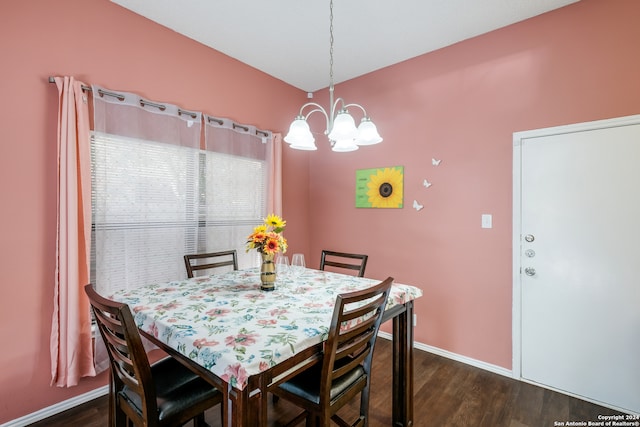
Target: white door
(577, 253)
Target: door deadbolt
(530, 253)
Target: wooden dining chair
(344, 260)
(165, 394)
(205, 261)
(344, 371)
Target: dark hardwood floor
(447, 393)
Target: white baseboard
(57, 408)
(454, 356)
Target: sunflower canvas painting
(380, 187)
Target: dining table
(243, 340)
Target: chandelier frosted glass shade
(300, 136)
(367, 133)
(344, 127)
(344, 145)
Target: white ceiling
(289, 39)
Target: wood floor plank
(446, 393)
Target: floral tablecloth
(225, 322)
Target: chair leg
(120, 418)
(112, 402)
(312, 420)
(364, 402)
(199, 421)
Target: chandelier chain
(331, 43)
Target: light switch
(487, 221)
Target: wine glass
(297, 265)
(282, 265)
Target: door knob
(530, 271)
(529, 238)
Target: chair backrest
(357, 262)
(129, 362)
(352, 334)
(209, 260)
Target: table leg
(238, 400)
(402, 409)
(247, 407)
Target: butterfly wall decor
(417, 206)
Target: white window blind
(153, 203)
(144, 210)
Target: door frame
(518, 138)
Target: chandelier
(341, 128)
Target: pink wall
(461, 105)
(575, 64)
(40, 38)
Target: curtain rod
(162, 107)
(104, 92)
(84, 87)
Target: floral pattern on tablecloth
(227, 324)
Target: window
(156, 195)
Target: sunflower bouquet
(267, 238)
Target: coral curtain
(71, 343)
